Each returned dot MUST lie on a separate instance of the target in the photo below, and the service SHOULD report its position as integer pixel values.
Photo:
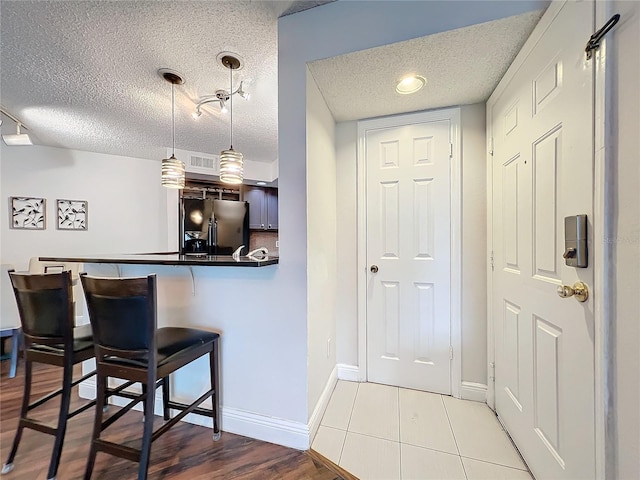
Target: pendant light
(173, 170)
(231, 163)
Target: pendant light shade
(231, 166)
(173, 170)
(231, 163)
(173, 175)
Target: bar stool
(9, 317)
(41, 266)
(129, 346)
(45, 306)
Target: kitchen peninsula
(245, 306)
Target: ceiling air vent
(202, 164)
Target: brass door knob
(374, 268)
(578, 290)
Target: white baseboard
(321, 404)
(240, 422)
(269, 429)
(350, 373)
(474, 391)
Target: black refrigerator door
(231, 227)
(194, 214)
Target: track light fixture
(17, 139)
(221, 97)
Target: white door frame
(600, 249)
(453, 115)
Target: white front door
(408, 237)
(542, 164)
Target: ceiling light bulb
(196, 114)
(223, 107)
(411, 84)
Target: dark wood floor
(186, 452)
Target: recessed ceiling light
(261, 183)
(411, 84)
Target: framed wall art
(72, 214)
(28, 213)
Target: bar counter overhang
(263, 341)
(169, 258)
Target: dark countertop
(168, 258)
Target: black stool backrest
(122, 312)
(45, 305)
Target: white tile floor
(389, 433)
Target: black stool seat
(172, 342)
(129, 346)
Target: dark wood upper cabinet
(272, 209)
(263, 207)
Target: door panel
(542, 172)
(408, 239)
(545, 161)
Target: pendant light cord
(231, 103)
(173, 122)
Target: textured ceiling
(83, 74)
(461, 66)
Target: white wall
(252, 170)
(347, 220)
(474, 318)
(474, 244)
(321, 242)
(261, 312)
(127, 205)
(625, 166)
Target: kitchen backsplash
(259, 239)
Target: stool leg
(145, 450)
(215, 384)
(166, 398)
(15, 350)
(144, 403)
(8, 466)
(65, 400)
(97, 423)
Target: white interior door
(542, 127)
(409, 251)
